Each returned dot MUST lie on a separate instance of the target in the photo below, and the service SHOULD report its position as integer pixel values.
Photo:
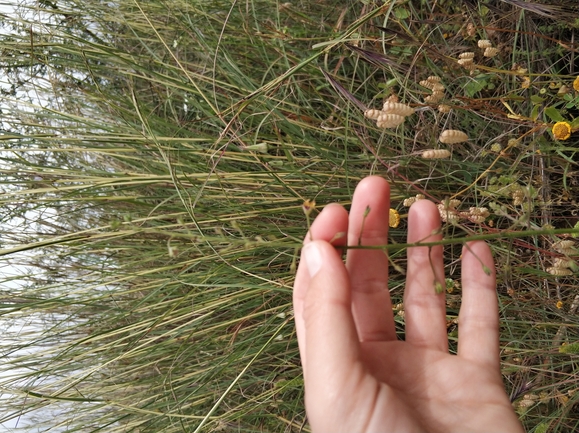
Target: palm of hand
(358, 377)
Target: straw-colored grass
(155, 159)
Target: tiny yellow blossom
(559, 304)
(308, 206)
(394, 220)
(576, 84)
(561, 130)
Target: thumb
(331, 338)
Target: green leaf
(535, 99)
(553, 114)
(401, 13)
(474, 86)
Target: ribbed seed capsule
(491, 52)
(389, 120)
(372, 114)
(560, 272)
(436, 154)
(452, 136)
(444, 108)
(397, 108)
(563, 263)
(566, 247)
(484, 43)
(467, 55)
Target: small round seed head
(444, 108)
(388, 120)
(392, 98)
(484, 43)
(397, 108)
(496, 147)
(436, 154)
(467, 55)
(372, 114)
(452, 136)
(491, 52)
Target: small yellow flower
(559, 304)
(394, 220)
(561, 130)
(308, 206)
(576, 84)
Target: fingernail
(313, 258)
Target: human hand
(358, 376)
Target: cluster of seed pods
(391, 115)
(448, 136)
(562, 266)
(449, 213)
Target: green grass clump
(156, 157)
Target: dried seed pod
(467, 55)
(434, 98)
(437, 87)
(478, 214)
(444, 108)
(392, 98)
(470, 30)
(566, 247)
(465, 62)
(394, 218)
(430, 82)
(409, 201)
(387, 120)
(397, 108)
(560, 272)
(452, 204)
(563, 263)
(452, 136)
(372, 114)
(491, 52)
(436, 154)
(484, 43)
(447, 214)
(518, 197)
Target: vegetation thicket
(157, 158)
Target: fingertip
(478, 254)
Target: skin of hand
(358, 376)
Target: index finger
(478, 321)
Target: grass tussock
(156, 156)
